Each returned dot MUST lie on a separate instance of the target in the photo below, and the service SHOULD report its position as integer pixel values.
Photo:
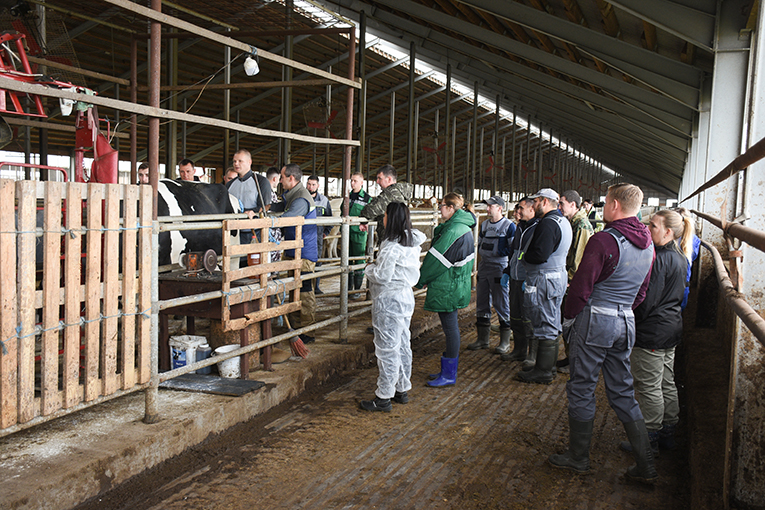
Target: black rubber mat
(212, 384)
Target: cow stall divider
(75, 303)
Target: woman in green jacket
(447, 273)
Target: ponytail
(686, 239)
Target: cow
(189, 198)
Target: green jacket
(448, 266)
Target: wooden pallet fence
(75, 295)
(261, 288)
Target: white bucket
(230, 367)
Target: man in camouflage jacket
(392, 191)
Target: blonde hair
(682, 230)
(454, 199)
(686, 243)
(629, 195)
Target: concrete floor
(302, 442)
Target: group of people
(614, 296)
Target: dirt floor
(480, 444)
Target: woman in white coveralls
(391, 278)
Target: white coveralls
(391, 278)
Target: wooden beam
(228, 41)
(245, 85)
(42, 90)
(52, 126)
(77, 70)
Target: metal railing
(420, 218)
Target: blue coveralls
(603, 335)
(545, 284)
(494, 248)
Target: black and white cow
(187, 198)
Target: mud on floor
(480, 444)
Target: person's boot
(653, 438)
(644, 469)
(482, 342)
(448, 373)
(316, 289)
(520, 347)
(436, 376)
(531, 359)
(544, 370)
(577, 458)
(667, 436)
(358, 279)
(377, 404)
(504, 340)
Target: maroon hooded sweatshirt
(601, 256)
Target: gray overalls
(519, 322)
(603, 335)
(545, 284)
(493, 248)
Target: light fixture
(251, 67)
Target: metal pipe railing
(742, 309)
(751, 236)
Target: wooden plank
(74, 296)
(78, 70)
(242, 249)
(93, 291)
(53, 126)
(144, 295)
(111, 310)
(235, 299)
(129, 283)
(259, 223)
(225, 312)
(27, 205)
(242, 85)
(78, 291)
(128, 107)
(49, 396)
(260, 315)
(168, 20)
(239, 250)
(246, 272)
(8, 309)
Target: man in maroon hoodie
(600, 327)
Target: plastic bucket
(183, 349)
(230, 367)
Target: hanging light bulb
(251, 67)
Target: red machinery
(16, 66)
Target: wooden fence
(75, 296)
(260, 271)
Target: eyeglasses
(441, 206)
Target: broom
(297, 346)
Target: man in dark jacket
(298, 202)
(600, 326)
(543, 255)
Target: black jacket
(658, 319)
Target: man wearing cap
(494, 242)
(543, 255)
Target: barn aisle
(480, 444)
